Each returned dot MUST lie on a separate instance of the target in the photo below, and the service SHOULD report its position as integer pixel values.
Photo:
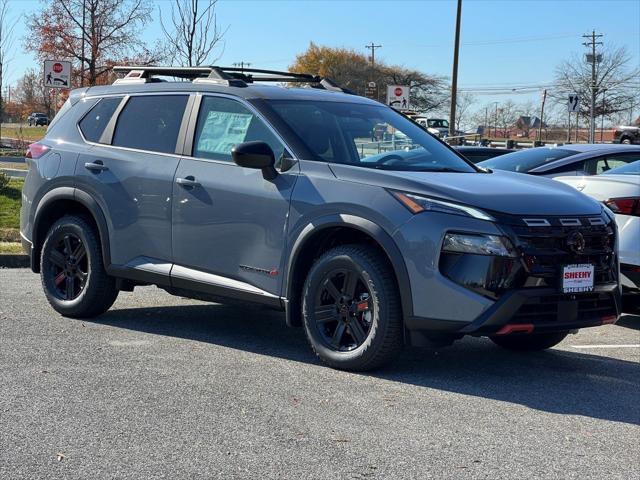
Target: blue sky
(503, 42)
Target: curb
(14, 172)
(14, 261)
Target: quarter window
(224, 123)
(94, 122)
(150, 122)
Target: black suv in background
(37, 119)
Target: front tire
(72, 271)
(529, 342)
(351, 309)
(625, 141)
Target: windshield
(632, 168)
(526, 160)
(437, 123)
(371, 136)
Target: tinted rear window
(150, 122)
(526, 160)
(94, 122)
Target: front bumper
(535, 310)
(451, 304)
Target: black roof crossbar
(231, 76)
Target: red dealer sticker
(577, 278)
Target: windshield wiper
(442, 169)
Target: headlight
(478, 244)
(417, 204)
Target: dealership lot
(164, 387)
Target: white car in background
(619, 189)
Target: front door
(229, 223)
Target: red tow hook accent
(609, 319)
(515, 328)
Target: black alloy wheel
(342, 310)
(69, 266)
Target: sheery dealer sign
(577, 278)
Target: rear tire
(72, 271)
(626, 141)
(529, 342)
(351, 309)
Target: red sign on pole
(57, 67)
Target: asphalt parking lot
(164, 387)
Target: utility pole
(544, 99)
(604, 92)
(241, 64)
(372, 46)
(84, 15)
(486, 131)
(495, 122)
(593, 43)
(454, 74)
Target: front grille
(562, 309)
(546, 249)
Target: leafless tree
(94, 33)
(193, 33)
(6, 46)
(616, 82)
(463, 105)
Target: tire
(72, 270)
(529, 342)
(626, 141)
(350, 294)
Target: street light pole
(454, 75)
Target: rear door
(129, 171)
(229, 225)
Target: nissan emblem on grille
(576, 242)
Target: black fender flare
(372, 229)
(78, 196)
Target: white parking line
(606, 346)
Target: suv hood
(500, 191)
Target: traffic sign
(57, 74)
(573, 103)
(398, 97)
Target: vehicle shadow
(629, 321)
(555, 381)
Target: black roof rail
(231, 76)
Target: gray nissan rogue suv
(336, 209)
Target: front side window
(224, 123)
(94, 122)
(597, 166)
(150, 122)
(632, 168)
(364, 135)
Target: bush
(4, 181)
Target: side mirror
(256, 155)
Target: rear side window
(94, 122)
(150, 123)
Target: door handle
(187, 182)
(96, 166)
